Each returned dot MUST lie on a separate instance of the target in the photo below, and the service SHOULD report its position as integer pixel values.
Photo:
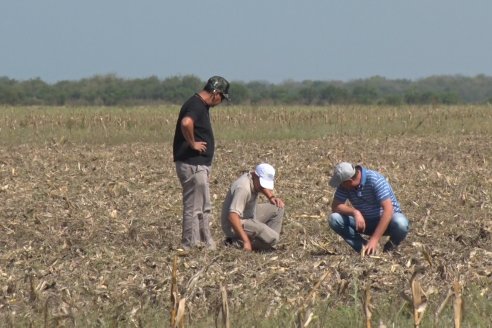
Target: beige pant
(264, 229)
(196, 204)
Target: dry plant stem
(367, 306)
(458, 304)
(192, 282)
(427, 256)
(46, 316)
(311, 295)
(32, 291)
(309, 299)
(180, 313)
(225, 307)
(419, 300)
(443, 305)
(174, 292)
(309, 319)
(46, 311)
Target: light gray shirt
(241, 199)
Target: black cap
(218, 84)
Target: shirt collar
(202, 100)
(363, 177)
(363, 173)
(251, 183)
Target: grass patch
(115, 125)
(393, 312)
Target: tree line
(111, 90)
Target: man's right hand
(247, 246)
(237, 226)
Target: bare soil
(91, 230)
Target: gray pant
(264, 229)
(196, 204)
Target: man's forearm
(237, 226)
(187, 130)
(344, 209)
(383, 223)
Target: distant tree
(393, 100)
(35, 92)
(364, 94)
(192, 82)
(283, 94)
(421, 98)
(308, 95)
(112, 90)
(9, 91)
(331, 94)
(239, 93)
(144, 90)
(259, 91)
(449, 98)
(177, 89)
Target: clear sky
(245, 40)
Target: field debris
(91, 233)
(305, 314)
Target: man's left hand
(277, 202)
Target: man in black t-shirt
(193, 152)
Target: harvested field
(88, 233)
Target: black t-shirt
(198, 111)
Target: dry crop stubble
(96, 228)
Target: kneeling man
(374, 209)
(257, 226)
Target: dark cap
(218, 84)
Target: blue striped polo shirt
(367, 197)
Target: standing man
(374, 212)
(257, 226)
(193, 152)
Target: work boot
(233, 242)
(389, 246)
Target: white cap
(266, 173)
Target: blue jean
(344, 225)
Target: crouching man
(374, 209)
(256, 226)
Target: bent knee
(400, 222)
(334, 220)
(272, 239)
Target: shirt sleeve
(341, 195)
(189, 112)
(240, 197)
(382, 190)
